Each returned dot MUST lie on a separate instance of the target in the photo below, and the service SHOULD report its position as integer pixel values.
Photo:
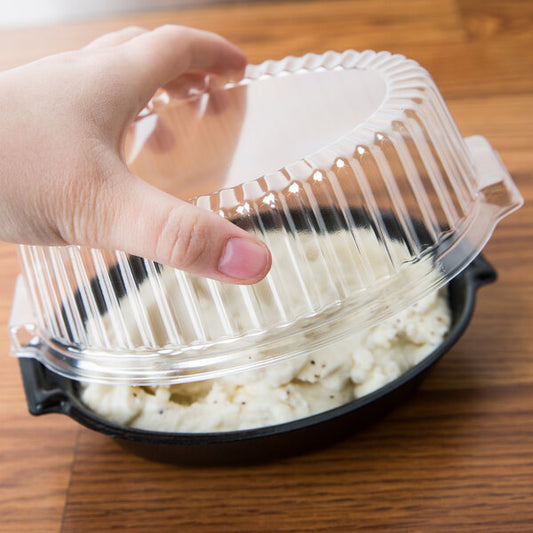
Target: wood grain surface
(458, 456)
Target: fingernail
(243, 259)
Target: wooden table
(458, 456)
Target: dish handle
(482, 272)
(43, 394)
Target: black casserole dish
(46, 392)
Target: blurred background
(38, 12)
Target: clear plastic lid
(348, 165)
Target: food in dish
(284, 391)
(295, 388)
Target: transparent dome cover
(348, 165)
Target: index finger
(157, 58)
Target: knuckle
(172, 30)
(134, 28)
(183, 239)
(86, 216)
(78, 226)
(74, 222)
(179, 36)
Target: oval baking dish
(47, 392)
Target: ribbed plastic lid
(348, 165)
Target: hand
(63, 179)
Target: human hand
(63, 178)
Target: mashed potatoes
(286, 391)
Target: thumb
(150, 223)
